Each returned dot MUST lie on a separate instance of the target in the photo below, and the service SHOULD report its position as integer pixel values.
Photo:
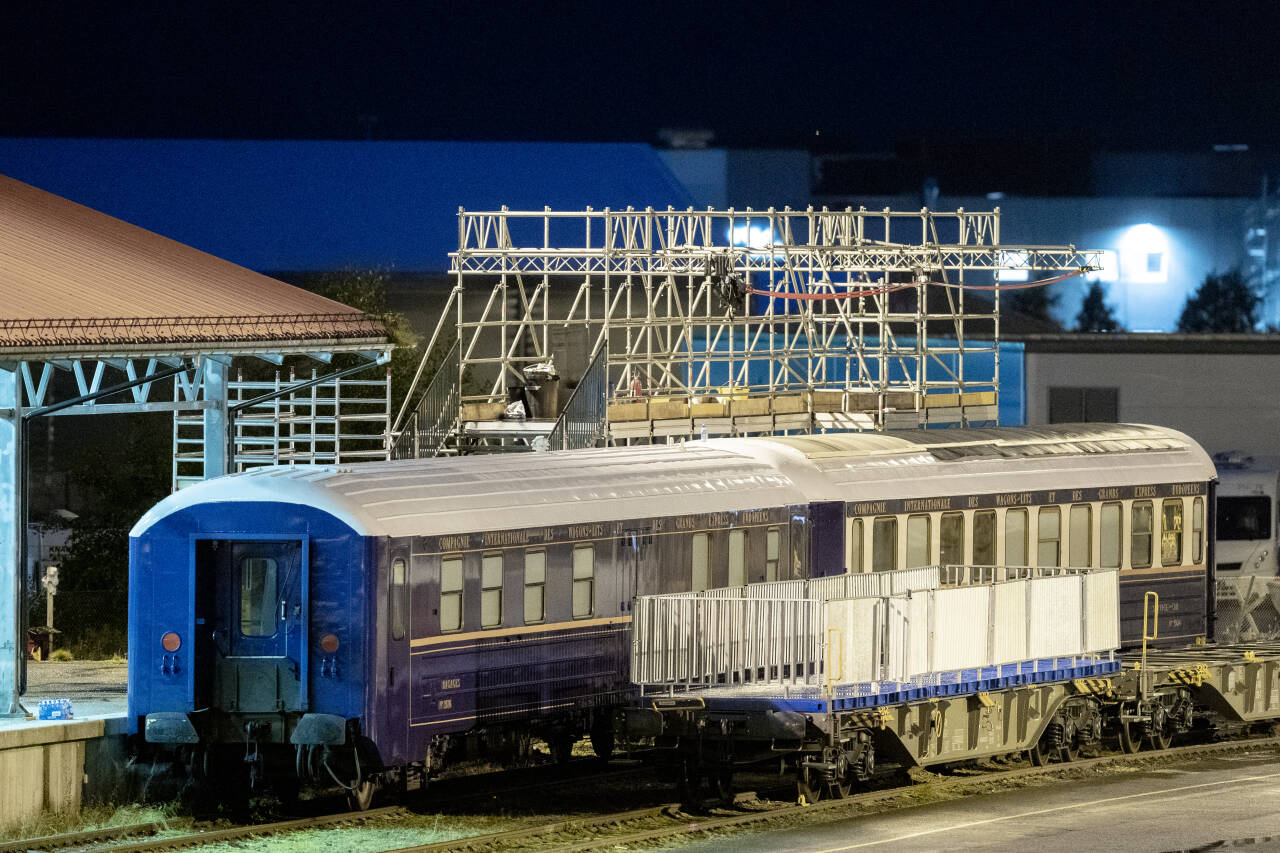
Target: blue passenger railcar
(353, 624)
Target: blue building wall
(1195, 236)
(315, 206)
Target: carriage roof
(476, 493)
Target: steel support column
(11, 533)
(216, 420)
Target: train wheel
(688, 787)
(808, 788)
(562, 748)
(1130, 740)
(1070, 750)
(722, 784)
(1039, 754)
(602, 743)
(1158, 730)
(360, 796)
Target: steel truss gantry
(733, 308)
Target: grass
(100, 816)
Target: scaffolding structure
(722, 322)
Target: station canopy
(77, 282)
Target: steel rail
(704, 826)
(82, 838)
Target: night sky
(832, 75)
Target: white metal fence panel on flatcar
(1055, 624)
(1009, 622)
(959, 635)
(852, 633)
(1102, 610)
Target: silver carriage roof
(460, 495)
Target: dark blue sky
(1140, 74)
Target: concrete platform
(57, 765)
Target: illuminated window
(701, 572)
(491, 591)
(1110, 534)
(772, 547)
(1081, 544)
(535, 586)
(1140, 535)
(1015, 537)
(1197, 530)
(737, 558)
(584, 580)
(1171, 532)
(855, 545)
(917, 541)
(451, 594)
(1049, 536)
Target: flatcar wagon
(362, 624)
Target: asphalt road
(1205, 804)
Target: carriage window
(1197, 530)
(1171, 532)
(772, 544)
(701, 572)
(737, 557)
(1110, 534)
(1081, 543)
(397, 598)
(984, 538)
(535, 586)
(584, 580)
(855, 545)
(917, 541)
(1140, 535)
(491, 591)
(1049, 536)
(258, 596)
(951, 539)
(451, 594)
(884, 545)
(1015, 537)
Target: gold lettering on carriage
(1018, 499)
(506, 537)
(871, 508)
(586, 531)
(455, 543)
(1180, 489)
(451, 684)
(1144, 491)
(926, 504)
(1109, 494)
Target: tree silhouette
(1222, 303)
(1095, 314)
(1033, 303)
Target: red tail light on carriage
(329, 643)
(171, 642)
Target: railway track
(617, 831)
(591, 833)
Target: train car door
(633, 555)
(254, 623)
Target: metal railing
(427, 430)
(869, 634)
(582, 421)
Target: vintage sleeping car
(358, 623)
